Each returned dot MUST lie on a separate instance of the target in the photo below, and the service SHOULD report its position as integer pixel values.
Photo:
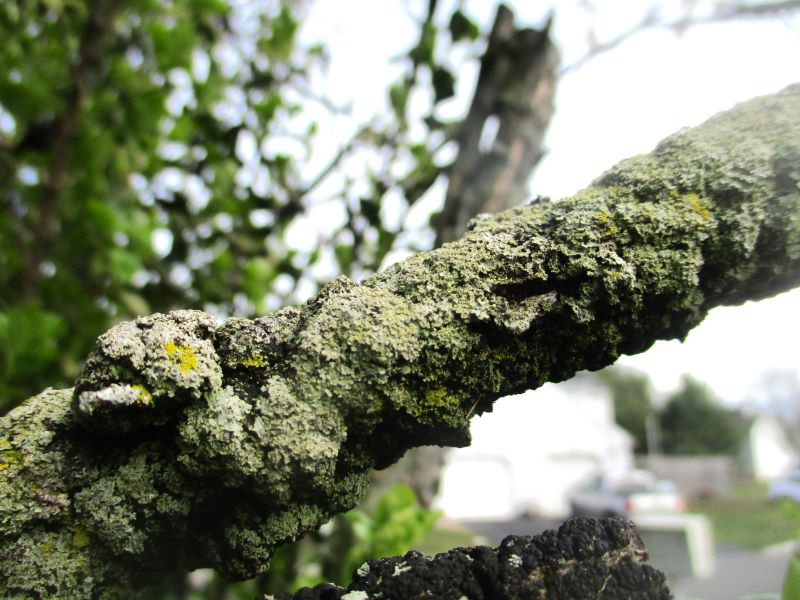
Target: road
(738, 573)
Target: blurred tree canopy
(152, 157)
(690, 420)
(694, 422)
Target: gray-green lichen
(189, 443)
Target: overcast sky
(616, 105)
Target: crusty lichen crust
(187, 442)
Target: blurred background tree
(632, 395)
(694, 422)
(777, 393)
(132, 180)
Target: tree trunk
(186, 443)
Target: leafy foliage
(152, 157)
(126, 188)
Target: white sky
(619, 104)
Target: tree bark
(189, 443)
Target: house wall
(541, 445)
(771, 453)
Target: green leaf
(123, 264)
(30, 340)
(258, 275)
(55, 6)
(422, 53)
(444, 84)
(134, 303)
(462, 27)
(173, 44)
(371, 209)
(281, 41)
(217, 7)
(344, 256)
(398, 97)
(266, 108)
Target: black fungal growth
(585, 559)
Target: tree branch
(585, 558)
(723, 12)
(189, 443)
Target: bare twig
(723, 12)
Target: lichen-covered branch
(189, 443)
(586, 559)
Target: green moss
(47, 548)
(440, 400)
(607, 219)
(436, 405)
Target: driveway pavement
(739, 574)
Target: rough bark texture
(189, 443)
(586, 559)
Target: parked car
(638, 493)
(785, 488)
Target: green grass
(744, 518)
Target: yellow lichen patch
(9, 456)
(256, 361)
(183, 355)
(47, 548)
(605, 218)
(698, 206)
(143, 395)
(80, 538)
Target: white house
(770, 452)
(533, 450)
